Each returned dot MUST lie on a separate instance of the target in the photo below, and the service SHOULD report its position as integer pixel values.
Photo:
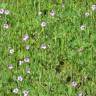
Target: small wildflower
(15, 90)
(26, 37)
(28, 70)
(6, 12)
(43, 46)
(82, 27)
(10, 66)
(21, 62)
(87, 14)
(52, 13)
(27, 59)
(11, 51)
(5, 26)
(74, 84)
(39, 13)
(27, 47)
(43, 24)
(25, 92)
(20, 78)
(1, 11)
(93, 7)
(63, 6)
(80, 94)
(81, 49)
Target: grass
(70, 54)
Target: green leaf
(3, 5)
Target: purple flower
(25, 37)
(27, 59)
(1, 11)
(20, 78)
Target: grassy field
(48, 48)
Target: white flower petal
(15, 90)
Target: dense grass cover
(48, 48)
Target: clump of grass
(47, 48)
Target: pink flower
(1, 11)
(25, 37)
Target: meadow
(48, 48)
